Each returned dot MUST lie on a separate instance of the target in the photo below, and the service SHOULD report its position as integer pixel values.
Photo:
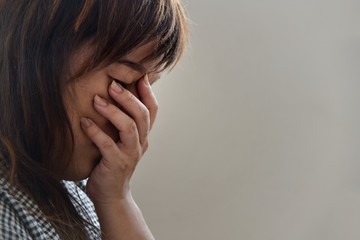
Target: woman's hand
(109, 181)
(108, 184)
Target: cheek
(79, 98)
(84, 107)
(82, 92)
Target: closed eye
(120, 82)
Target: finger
(105, 144)
(134, 107)
(148, 98)
(127, 127)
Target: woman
(76, 103)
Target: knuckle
(137, 154)
(129, 97)
(130, 127)
(144, 113)
(107, 144)
(145, 145)
(124, 165)
(131, 161)
(113, 110)
(155, 106)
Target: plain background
(258, 132)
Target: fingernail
(116, 87)
(85, 122)
(100, 101)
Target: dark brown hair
(37, 39)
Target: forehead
(139, 53)
(134, 59)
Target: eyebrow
(136, 66)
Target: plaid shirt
(16, 222)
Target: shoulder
(20, 217)
(11, 224)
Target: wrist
(115, 202)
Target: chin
(81, 166)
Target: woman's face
(79, 96)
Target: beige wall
(258, 132)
